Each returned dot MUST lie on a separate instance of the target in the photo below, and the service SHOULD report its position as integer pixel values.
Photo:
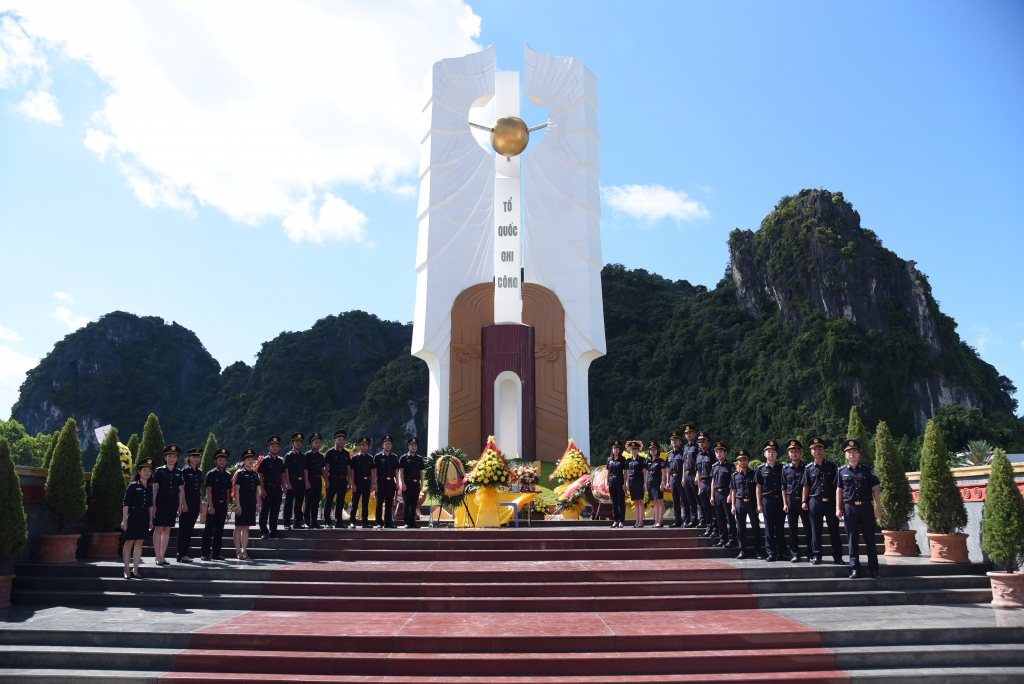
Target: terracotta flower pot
(58, 548)
(900, 542)
(948, 548)
(5, 590)
(1007, 589)
(103, 544)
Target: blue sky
(248, 172)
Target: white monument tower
(508, 341)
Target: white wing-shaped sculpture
(454, 248)
(563, 216)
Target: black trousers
(618, 495)
(361, 495)
(385, 500)
(314, 490)
(690, 491)
(410, 503)
(724, 517)
(744, 512)
(337, 488)
(860, 520)
(796, 515)
(271, 508)
(825, 508)
(293, 500)
(213, 532)
(187, 526)
(774, 526)
(680, 504)
(706, 507)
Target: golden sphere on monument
(510, 136)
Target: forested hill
(813, 315)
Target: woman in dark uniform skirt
(636, 467)
(137, 515)
(657, 479)
(616, 467)
(246, 482)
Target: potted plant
(64, 498)
(106, 493)
(13, 528)
(939, 502)
(897, 505)
(1002, 533)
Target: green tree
(1002, 519)
(13, 527)
(208, 462)
(133, 445)
(64, 494)
(26, 450)
(897, 505)
(857, 431)
(152, 445)
(49, 450)
(107, 486)
(939, 502)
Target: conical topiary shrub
(49, 450)
(897, 504)
(1002, 521)
(208, 462)
(64, 494)
(107, 486)
(939, 502)
(152, 445)
(857, 431)
(133, 446)
(13, 526)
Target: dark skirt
(636, 491)
(654, 491)
(138, 524)
(248, 516)
(165, 515)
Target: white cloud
(335, 220)
(9, 335)
(13, 366)
(21, 60)
(65, 316)
(64, 297)
(983, 337)
(1022, 344)
(259, 109)
(41, 106)
(653, 202)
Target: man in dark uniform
(690, 450)
(193, 488)
(857, 489)
(339, 479)
(170, 499)
(295, 490)
(363, 478)
(743, 499)
(675, 480)
(769, 501)
(721, 487)
(385, 463)
(410, 480)
(704, 463)
(821, 479)
(314, 481)
(792, 498)
(218, 484)
(272, 483)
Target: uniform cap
(248, 453)
(702, 435)
(222, 452)
(770, 444)
(146, 462)
(364, 440)
(630, 444)
(298, 437)
(172, 449)
(851, 444)
(617, 443)
(794, 444)
(340, 433)
(654, 445)
(413, 440)
(316, 435)
(195, 452)
(689, 428)
(719, 445)
(742, 453)
(273, 439)
(817, 441)
(386, 438)
(675, 434)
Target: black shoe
(718, 545)
(206, 558)
(741, 556)
(794, 559)
(287, 527)
(218, 558)
(838, 561)
(855, 574)
(732, 545)
(875, 575)
(264, 535)
(676, 525)
(136, 575)
(127, 574)
(318, 526)
(815, 561)
(771, 558)
(761, 556)
(183, 559)
(339, 526)
(276, 535)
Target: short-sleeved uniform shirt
(721, 476)
(412, 469)
(271, 468)
(337, 461)
(193, 478)
(362, 467)
(219, 483)
(295, 464)
(616, 469)
(793, 480)
(248, 482)
(770, 479)
(690, 457)
(635, 468)
(386, 465)
(170, 483)
(675, 463)
(745, 486)
(821, 480)
(138, 495)
(705, 462)
(655, 466)
(857, 483)
(314, 464)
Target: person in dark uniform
(690, 450)
(218, 484)
(314, 481)
(295, 490)
(820, 483)
(616, 466)
(675, 480)
(168, 489)
(792, 498)
(247, 484)
(410, 480)
(272, 482)
(856, 490)
(743, 499)
(636, 475)
(704, 462)
(385, 463)
(657, 481)
(339, 479)
(137, 515)
(721, 487)
(769, 501)
(363, 478)
(193, 489)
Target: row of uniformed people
(722, 498)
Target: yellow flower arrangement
(125, 455)
(490, 470)
(572, 466)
